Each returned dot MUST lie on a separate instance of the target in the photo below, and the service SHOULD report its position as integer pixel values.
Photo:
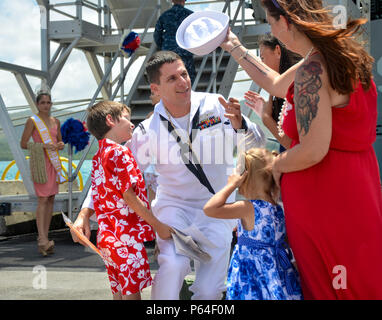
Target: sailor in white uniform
(187, 129)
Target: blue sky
(20, 44)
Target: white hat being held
(202, 32)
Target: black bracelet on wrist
(237, 46)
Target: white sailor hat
(202, 32)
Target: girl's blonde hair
(258, 163)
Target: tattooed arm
(277, 85)
(313, 117)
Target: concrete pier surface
(73, 272)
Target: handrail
(134, 56)
(140, 74)
(106, 75)
(85, 3)
(63, 159)
(132, 23)
(148, 55)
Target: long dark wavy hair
(287, 59)
(347, 61)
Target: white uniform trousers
(209, 277)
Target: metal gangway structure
(216, 72)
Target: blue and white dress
(261, 267)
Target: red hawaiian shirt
(114, 171)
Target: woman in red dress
(330, 182)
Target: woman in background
(45, 191)
(276, 56)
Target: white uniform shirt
(213, 144)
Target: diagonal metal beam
(27, 90)
(140, 74)
(20, 75)
(14, 145)
(97, 71)
(56, 68)
(44, 3)
(28, 71)
(55, 56)
(103, 81)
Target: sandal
(47, 248)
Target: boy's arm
(82, 224)
(164, 231)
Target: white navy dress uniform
(181, 196)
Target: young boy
(120, 201)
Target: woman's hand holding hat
(230, 41)
(202, 32)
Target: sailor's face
(174, 84)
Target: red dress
(121, 232)
(333, 210)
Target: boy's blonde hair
(258, 163)
(96, 116)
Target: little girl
(260, 267)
